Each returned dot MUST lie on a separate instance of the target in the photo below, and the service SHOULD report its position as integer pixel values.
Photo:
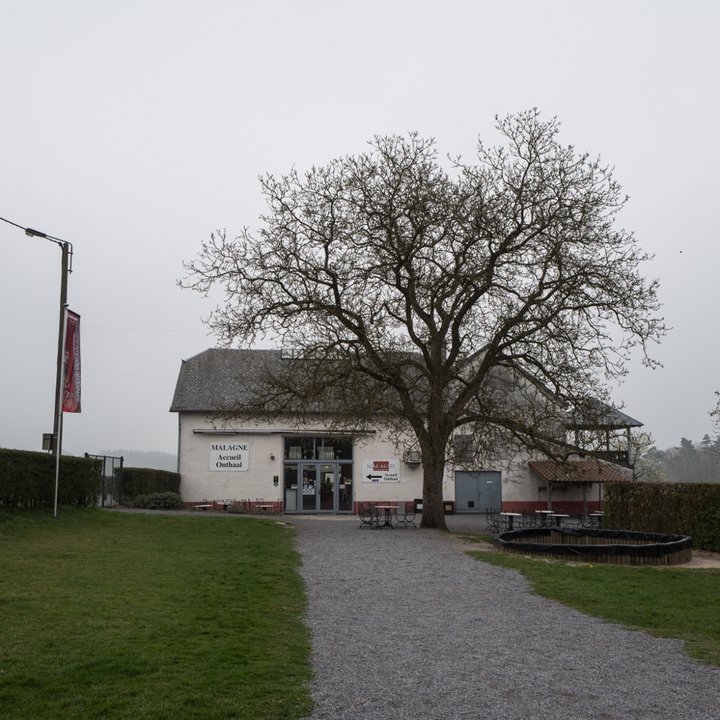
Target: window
(307, 447)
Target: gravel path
(406, 625)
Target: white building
(271, 461)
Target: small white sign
(229, 457)
(380, 471)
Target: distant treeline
(688, 463)
(144, 459)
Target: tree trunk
(433, 513)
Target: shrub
(147, 481)
(158, 501)
(27, 479)
(681, 508)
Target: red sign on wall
(380, 471)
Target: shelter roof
(596, 414)
(576, 471)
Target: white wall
(265, 461)
(407, 489)
(199, 482)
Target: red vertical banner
(71, 380)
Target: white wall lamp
(412, 458)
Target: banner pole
(59, 407)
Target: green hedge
(158, 501)
(683, 508)
(148, 481)
(27, 479)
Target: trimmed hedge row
(676, 508)
(27, 479)
(158, 501)
(148, 481)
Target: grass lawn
(109, 615)
(677, 603)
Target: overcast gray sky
(134, 128)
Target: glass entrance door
(309, 485)
(318, 487)
(319, 483)
(328, 486)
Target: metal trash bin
(417, 505)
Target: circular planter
(621, 547)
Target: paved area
(406, 625)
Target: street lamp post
(66, 269)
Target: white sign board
(380, 471)
(229, 457)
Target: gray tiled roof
(219, 379)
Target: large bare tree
(488, 296)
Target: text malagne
(229, 457)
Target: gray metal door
(477, 491)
